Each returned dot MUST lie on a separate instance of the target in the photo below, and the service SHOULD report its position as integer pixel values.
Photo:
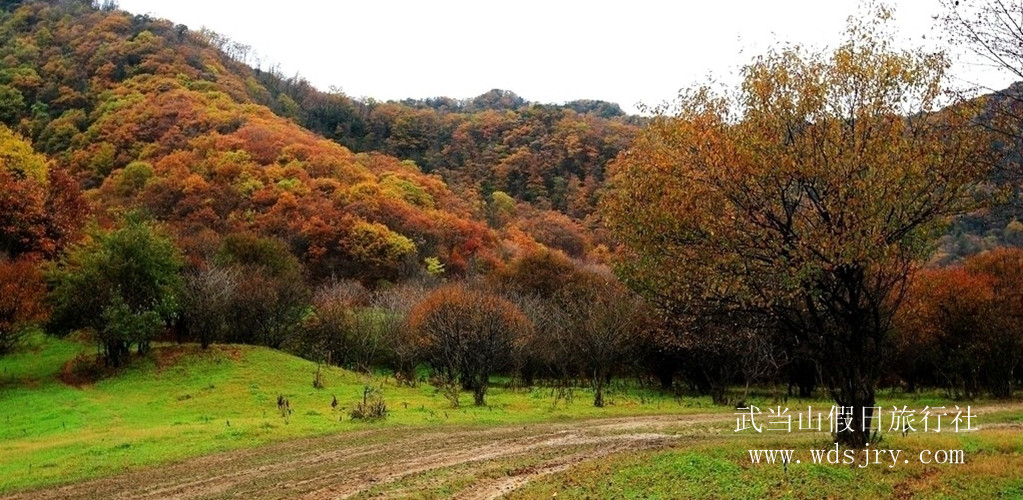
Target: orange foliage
(468, 334)
(964, 322)
(112, 90)
(21, 299)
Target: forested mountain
(552, 156)
(147, 113)
(1000, 223)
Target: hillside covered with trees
(154, 187)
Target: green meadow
(720, 467)
(181, 402)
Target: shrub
(120, 284)
(372, 407)
(468, 334)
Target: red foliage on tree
(41, 207)
(21, 299)
(962, 325)
(468, 334)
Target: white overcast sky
(548, 51)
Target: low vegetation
(197, 255)
(717, 467)
(68, 421)
(183, 401)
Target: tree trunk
(598, 388)
(666, 376)
(479, 394)
(856, 434)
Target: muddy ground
(448, 462)
(459, 462)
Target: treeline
(551, 156)
(542, 318)
(959, 330)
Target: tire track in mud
(343, 465)
(400, 462)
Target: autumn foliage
(960, 329)
(467, 334)
(803, 199)
(41, 208)
(22, 294)
(147, 114)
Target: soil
(390, 462)
(455, 462)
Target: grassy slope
(721, 468)
(182, 403)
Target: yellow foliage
(18, 157)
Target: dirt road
(475, 463)
(446, 462)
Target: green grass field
(721, 468)
(181, 402)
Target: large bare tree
(993, 31)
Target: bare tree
(605, 320)
(332, 329)
(993, 30)
(545, 351)
(394, 306)
(267, 309)
(209, 290)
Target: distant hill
(149, 113)
(552, 156)
(1001, 222)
